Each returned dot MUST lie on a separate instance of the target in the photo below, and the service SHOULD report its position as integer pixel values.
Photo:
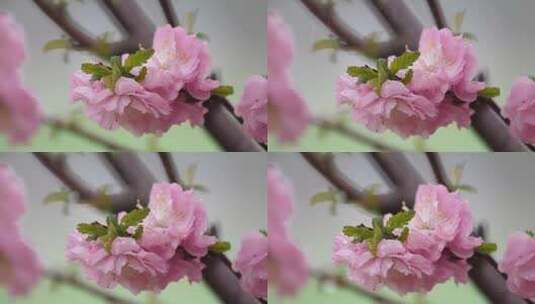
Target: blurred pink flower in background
(251, 263)
(172, 92)
(171, 247)
(20, 268)
(20, 113)
(520, 109)
(288, 113)
(519, 264)
(288, 269)
(253, 108)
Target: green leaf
(530, 233)
(326, 44)
(403, 62)
(220, 247)
(57, 197)
(465, 188)
(223, 91)
(404, 234)
(57, 44)
(458, 21)
(111, 233)
(93, 230)
(203, 36)
(98, 70)
(116, 71)
(263, 232)
(382, 75)
(138, 233)
(489, 92)
(360, 232)
(408, 77)
(142, 74)
(457, 174)
(364, 74)
(134, 217)
(137, 59)
(374, 241)
(322, 197)
(487, 248)
(191, 18)
(399, 220)
(189, 175)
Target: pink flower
(396, 108)
(288, 112)
(520, 109)
(280, 201)
(251, 263)
(21, 269)
(393, 265)
(288, 269)
(449, 58)
(126, 264)
(519, 264)
(12, 49)
(253, 108)
(442, 220)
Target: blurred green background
(503, 49)
(47, 74)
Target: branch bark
(438, 169)
(169, 12)
(438, 13)
(169, 167)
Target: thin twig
(170, 168)
(341, 282)
(169, 12)
(438, 169)
(438, 13)
(82, 132)
(351, 133)
(73, 281)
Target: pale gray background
(505, 199)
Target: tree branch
(170, 168)
(438, 13)
(71, 280)
(169, 12)
(340, 282)
(351, 133)
(438, 169)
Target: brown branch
(86, 134)
(325, 12)
(169, 167)
(351, 133)
(438, 13)
(438, 169)
(340, 282)
(169, 12)
(71, 280)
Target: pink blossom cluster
(170, 248)
(437, 247)
(519, 264)
(520, 109)
(171, 92)
(20, 269)
(20, 113)
(253, 108)
(288, 112)
(251, 263)
(438, 92)
(288, 269)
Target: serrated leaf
(399, 220)
(487, 248)
(93, 230)
(408, 77)
(322, 197)
(403, 62)
(457, 174)
(142, 74)
(374, 241)
(326, 44)
(57, 44)
(111, 233)
(116, 71)
(361, 232)
(530, 233)
(139, 58)
(189, 175)
(489, 92)
(382, 75)
(191, 18)
(203, 36)
(199, 188)
(220, 247)
(465, 188)
(404, 234)
(364, 73)
(458, 21)
(97, 70)
(469, 36)
(263, 232)
(223, 91)
(57, 197)
(138, 233)
(134, 217)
